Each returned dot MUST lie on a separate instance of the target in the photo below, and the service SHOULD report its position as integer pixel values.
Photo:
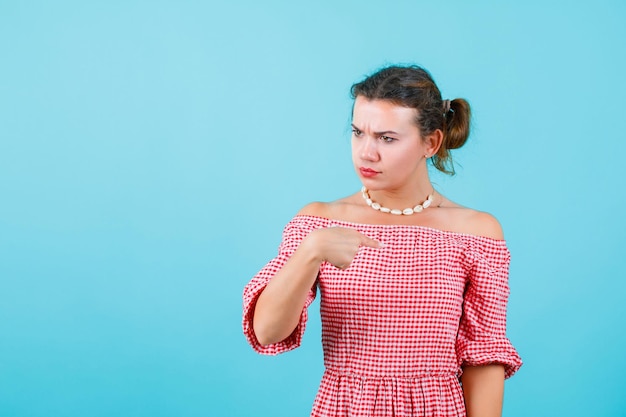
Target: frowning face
(387, 147)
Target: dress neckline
(407, 226)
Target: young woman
(413, 286)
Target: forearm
(280, 305)
(483, 389)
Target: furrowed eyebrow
(383, 133)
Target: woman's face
(387, 148)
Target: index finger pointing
(369, 242)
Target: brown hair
(414, 87)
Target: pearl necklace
(406, 211)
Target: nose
(369, 149)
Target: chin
(372, 185)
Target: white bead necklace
(406, 211)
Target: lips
(368, 172)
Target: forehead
(381, 113)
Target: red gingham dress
(399, 323)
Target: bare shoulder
(331, 210)
(482, 224)
(488, 225)
(462, 219)
(316, 208)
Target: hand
(338, 245)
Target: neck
(407, 196)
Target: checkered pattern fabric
(401, 321)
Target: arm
(279, 307)
(485, 353)
(483, 390)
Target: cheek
(354, 148)
(408, 157)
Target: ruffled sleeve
(293, 234)
(482, 333)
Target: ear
(433, 141)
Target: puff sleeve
(293, 234)
(482, 332)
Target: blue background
(151, 152)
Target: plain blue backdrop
(152, 151)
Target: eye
(387, 139)
(356, 132)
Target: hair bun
(457, 125)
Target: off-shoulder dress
(402, 320)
